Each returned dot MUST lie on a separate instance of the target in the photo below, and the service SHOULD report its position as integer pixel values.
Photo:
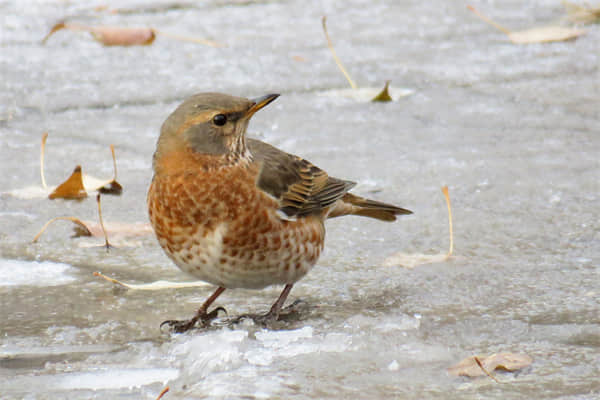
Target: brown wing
(301, 187)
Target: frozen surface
(24, 273)
(514, 131)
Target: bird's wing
(301, 188)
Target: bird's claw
(271, 316)
(181, 326)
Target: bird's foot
(181, 326)
(272, 315)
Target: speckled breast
(218, 226)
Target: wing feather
(301, 187)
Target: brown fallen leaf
(542, 34)
(384, 95)
(120, 36)
(118, 231)
(412, 260)
(503, 361)
(72, 188)
(81, 228)
(581, 14)
(94, 229)
(109, 35)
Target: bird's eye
(220, 119)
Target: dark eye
(220, 119)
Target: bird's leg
(273, 313)
(180, 326)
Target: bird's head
(210, 123)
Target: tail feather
(351, 204)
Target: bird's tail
(351, 204)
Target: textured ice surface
(512, 130)
(34, 273)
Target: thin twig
(165, 390)
(447, 197)
(42, 151)
(206, 42)
(112, 150)
(335, 57)
(489, 21)
(106, 243)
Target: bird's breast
(217, 225)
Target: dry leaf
(158, 285)
(505, 361)
(81, 228)
(94, 229)
(116, 36)
(72, 188)
(541, 34)
(77, 185)
(108, 35)
(118, 231)
(412, 260)
(384, 95)
(580, 14)
(119, 36)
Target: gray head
(209, 123)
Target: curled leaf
(81, 228)
(475, 366)
(158, 285)
(117, 36)
(540, 34)
(120, 36)
(118, 231)
(78, 184)
(72, 188)
(413, 260)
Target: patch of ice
(17, 214)
(34, 273)
(289, 344)
(211, 352)
(31, 192)
(393, 366)
(114, 378)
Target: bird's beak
(260, 102)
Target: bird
(237, 212)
